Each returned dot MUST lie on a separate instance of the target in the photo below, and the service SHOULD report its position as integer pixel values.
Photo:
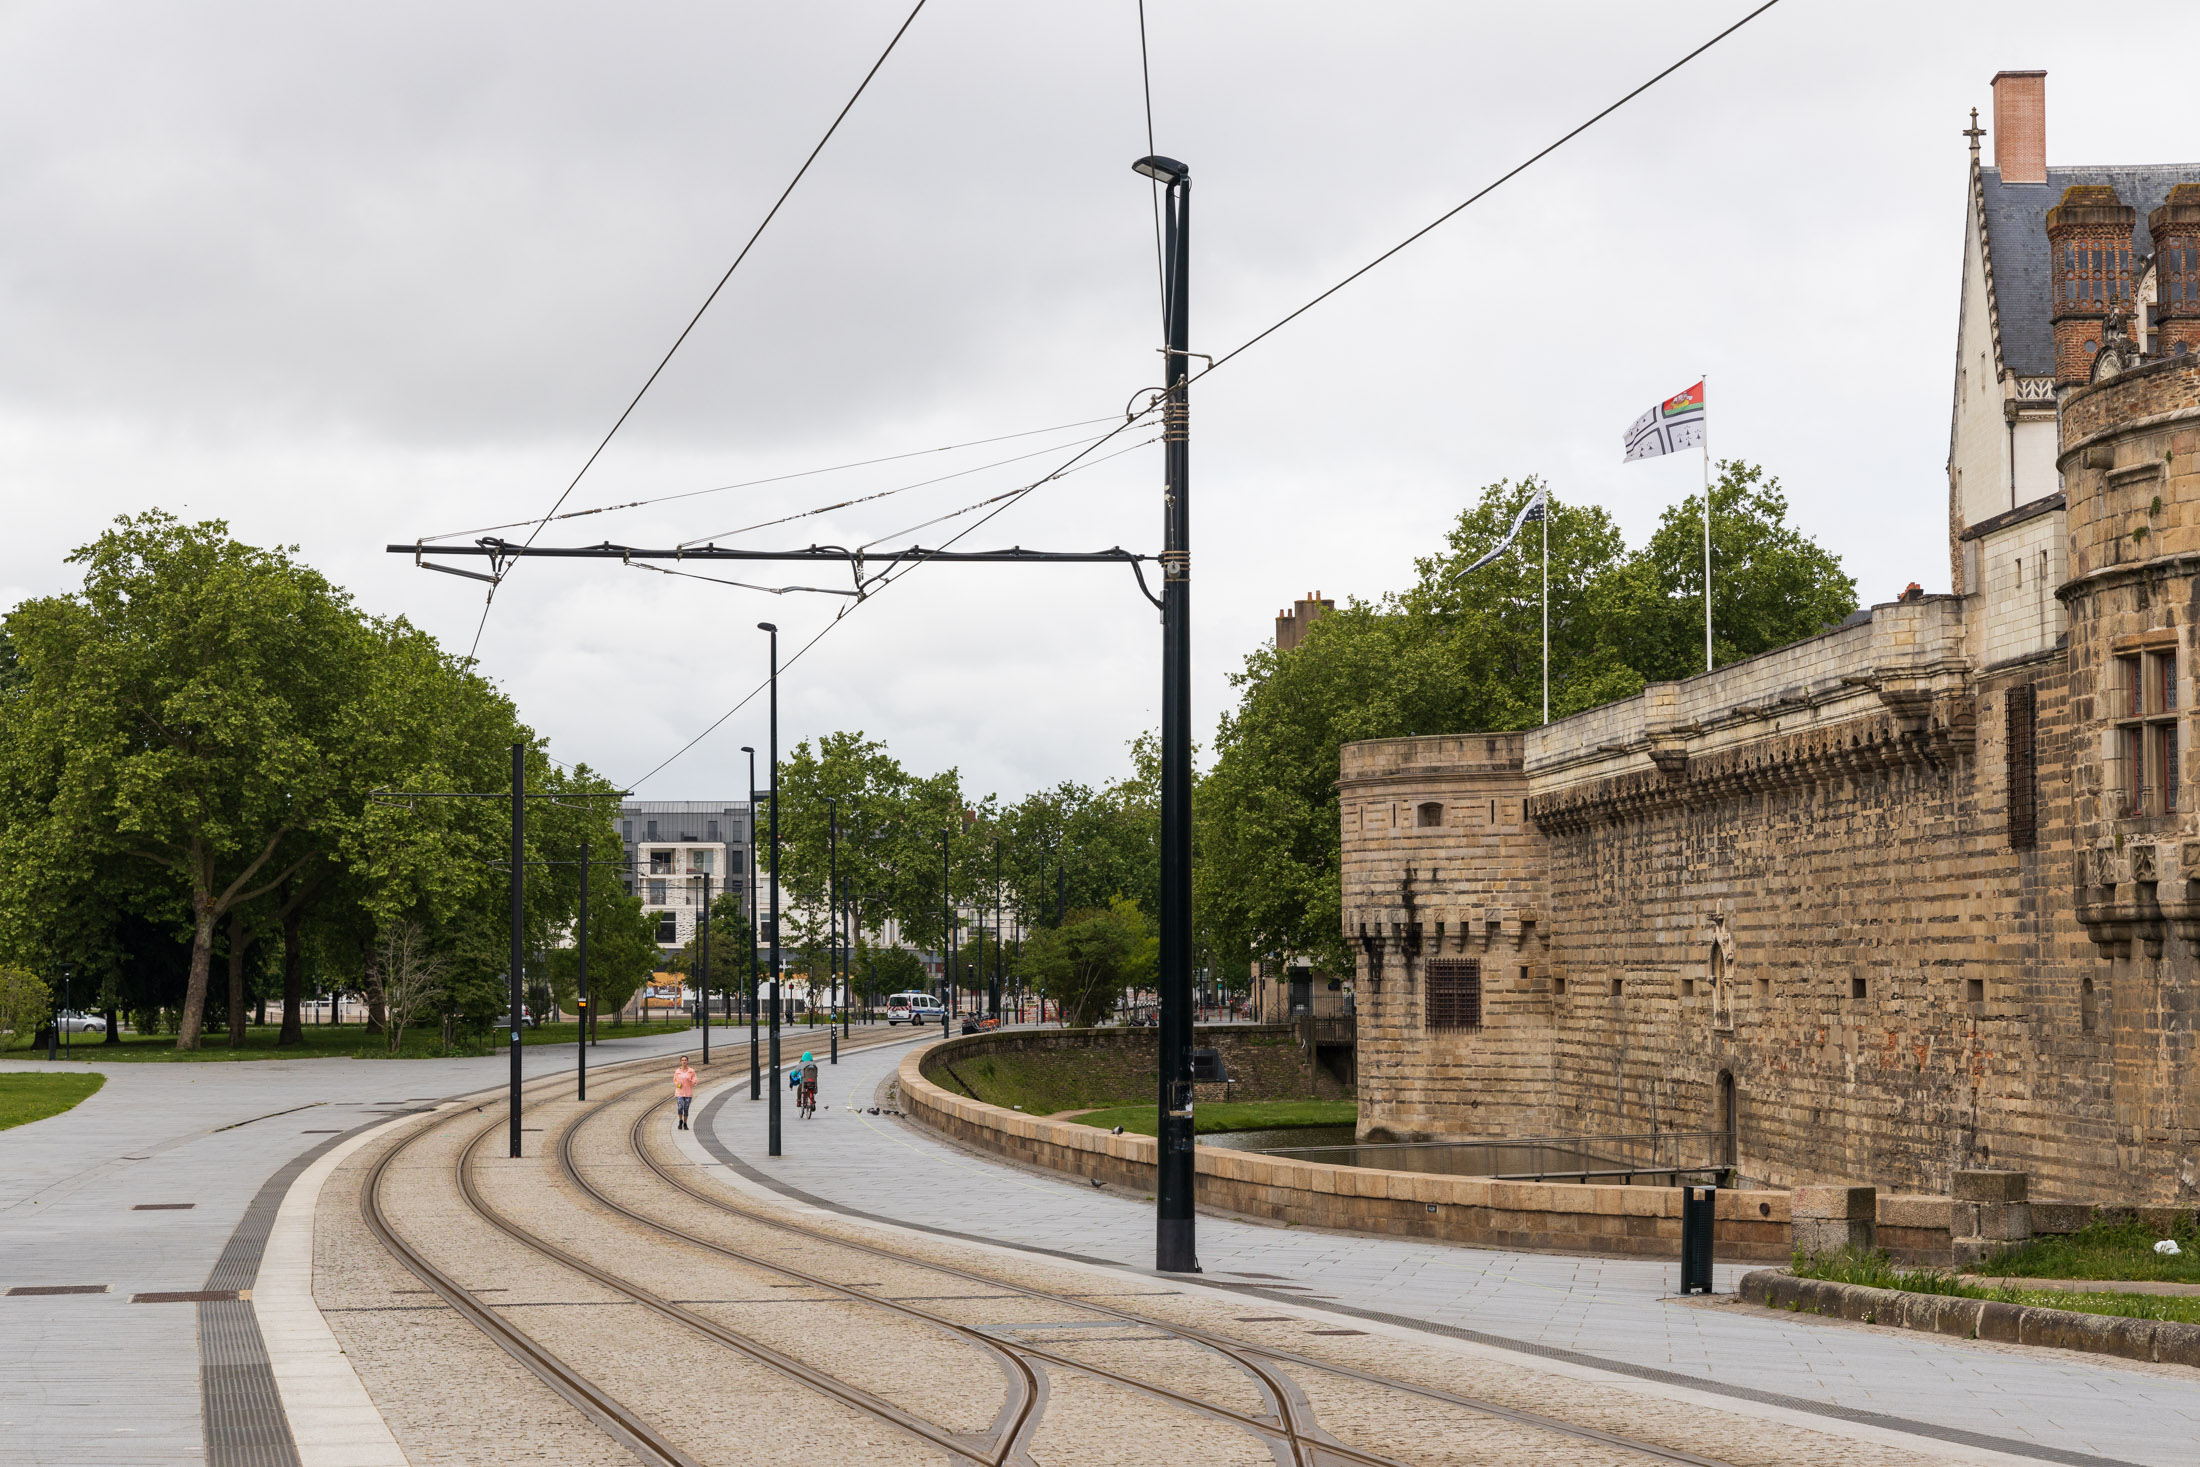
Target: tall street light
(702, 957)
(755, 1071)
(947, 927)
(1175, 1249)
(773, 749)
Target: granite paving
(89, 1197)
(2049, 1404)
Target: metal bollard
(1699, 1206)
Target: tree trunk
(114, 1026)
(293, 981)
(371, 983)
(239, 940)
(202, 962)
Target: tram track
(1284, 1422)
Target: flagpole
(1706, 411)
(1546, 606)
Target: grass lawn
(1229, 1115)
(1874, 1271)
(327, 1041)
(27, 1098)
(2101, 1250)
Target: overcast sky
(350, 277)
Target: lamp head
(747, 750)
(765, 626)
(1162, 170)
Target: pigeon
(874, 1110)
(1116, 1132)
(1098, 1183)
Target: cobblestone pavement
(90, 1197)
(740, 1328)
(1619, 1313)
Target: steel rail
(1284, 1426)
(599, 1406)
(1221, 1344)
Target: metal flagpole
(1546, 606)
(1704, 407)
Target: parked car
(526, 1016)
(913, 1008)
(68, 1021)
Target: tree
(26, 1002)
(730, 936)
(184, 711)
(1088, 961)
(622, 954)
(1453, 654)
(411, 978)
(892, 970)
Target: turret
(2176, 230)
(2090, 254)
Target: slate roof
(2016, 233)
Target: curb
(2165, 1342)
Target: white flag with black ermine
(1674, 424)
(1530, 512)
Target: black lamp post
(1175, 1250)
(947, 929)
(581, 982)
(993, 992)
(755, 1064)
(702, 956)
(773, 749)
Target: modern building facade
(1915, 895)
(671, 846)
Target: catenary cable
(861, 463)
(1264, 334)
(1506, 177)
(679, 340)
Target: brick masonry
(1816, 892)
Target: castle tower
(2176, 230)
(2090, 255)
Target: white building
(672, 846)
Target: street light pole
(832, 905)
(1175, 1249)
(581, 960)
(519, 916)
(755, 1082)
(947, 927)
(773, 746)
(993, 994)
(702, 954)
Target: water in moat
(1664, 1161)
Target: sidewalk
(1613, 1313)
(140, 1189)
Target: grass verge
(326, 1041)
(2102, 1250)
(1229, 1115)
(1874, 1271)
(26, 1098)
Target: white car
(70, 1022)
(913, 1008)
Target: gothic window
(2146, 733)
(1454, 993)
(1429, 813)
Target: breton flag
(1530, 513)
(1671, 426)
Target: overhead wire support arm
(1013, 555)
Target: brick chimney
(2090, 255)
(1291, 625)
(2176, 230)
(2020, 126)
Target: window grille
(1454, 993)
(2022, 709)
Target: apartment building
(672, 846)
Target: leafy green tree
(1088, 962)
(1457, 653)
(185, 709)
(622, 956)
(26, 1002)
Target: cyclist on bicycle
(807, 1102)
